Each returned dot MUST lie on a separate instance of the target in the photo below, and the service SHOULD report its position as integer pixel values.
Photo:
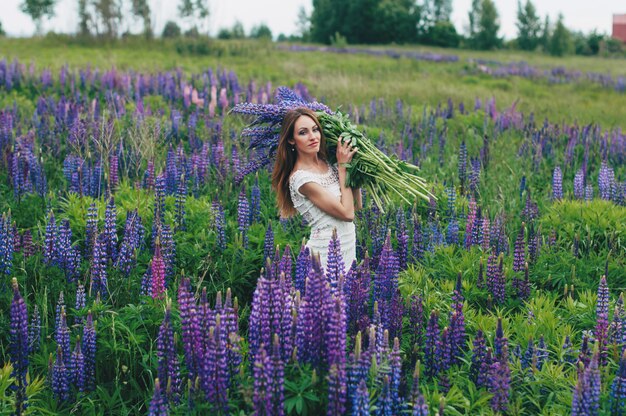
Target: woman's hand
(344, 151)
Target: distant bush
(171, 30)
(261, 31)
(443, 34)
(2, 32)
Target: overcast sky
(281, 15)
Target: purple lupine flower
(91, 229)
(586, 395)
(60, 378)
(285, 265)
(588, 192)
(98, 284)
(158, 404)
(19, 346)
(484, 234)
(602, 319)
(416, 322)
(34, 331)
(51, 252)
(157, 269)
(189, 327)
(303, 267)
(89, 351)
(618, 389)
(469, 223)
(530, 211)
(430, 349)
(168, 366)
(477, 226)
(110, 230)
(584, 354)
(480, 279)
(519, 251)
(557, 184)
(358, 299)
(522, 186)
(255, 202)
(522, 286)
(28, 247)
(462, 165)
(384, 405)
(181, 197)
(500, 341)
(278, 379)
(403, 239)
(262, 373)
(7, 244)
(479, 356)
(60, 306)
(361, 401)
(268, 246)
(113, 171)
(452, 232)
(420, 407)
(568, 351)
(474, 174)
(62, 336)
(77, 375)
(417, 250)
(495, 278)
(220, 223)
(529, 360)
(386, 291)
(500, 382)
(243, 216)
(579, 184)
(131, 243)
(542, 352)
(606, 181)
(334, 264)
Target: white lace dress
(322, 224)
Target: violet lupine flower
(384, 405)
(361, 401)
(416, 322)
(131, 243)
(336, 357)
(618, 389)
(480, 279)
(568, 351)
(110, 231)
(469, 223)
(602, 319)
(62, 335)
(285, 265)
(500, 341)
(462, 165)
(98, 284)
(7, 245)
(542, 352)
(77, 375)
(220, 224)
(60, 378)
(34, 331)
(500, 382)
(157, 268)
(586, 396)
(417, 250)
(584, 354)
(158, 404)
(51, 252)
(89, 351)
(606, 181)
(402, 237)
(113, 171)
(268, 245)
(243, 216)
(430, 349)
(159, 202)
(557, 184)
(28, 247)
(168, 250)
(452, 232)
(214, 375)
(181, 197)
(579, 184)
(530, 211)
(19, 346)
(477, 227)
(255, 202)
(358, 299)
(588, 192)
(519, 251)
(334, 265)
(522, 187)
(386, 291)
(495, 278)
(479, 356)
(60, 306)
(303, 267)
(91, 229)
(168, 365)
(262, 372)
(189, 327)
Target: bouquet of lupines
(370, 168)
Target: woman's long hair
(286, 156)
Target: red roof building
(619, 27)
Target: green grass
(341, 78)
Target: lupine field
(144, 268)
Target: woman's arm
(342, 209)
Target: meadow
(142, 271)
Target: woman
(305, 183)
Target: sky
(281, 15)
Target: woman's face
(306, 136)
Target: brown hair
(286, 157)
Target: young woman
(305, 183)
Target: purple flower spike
(18, 345)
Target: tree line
(341, 22)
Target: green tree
(328, 18)
(196, 11)
(141, 10)
(561, 39)
(397, 21)
(488, 26)
(37, 10)
(304, 25)
(84, 18)
(528, 26)
(171, 30)
(546, 32)
(261, 31)
(472, 29)
(110, 16)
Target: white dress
(321, 223)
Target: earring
(293, 148)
